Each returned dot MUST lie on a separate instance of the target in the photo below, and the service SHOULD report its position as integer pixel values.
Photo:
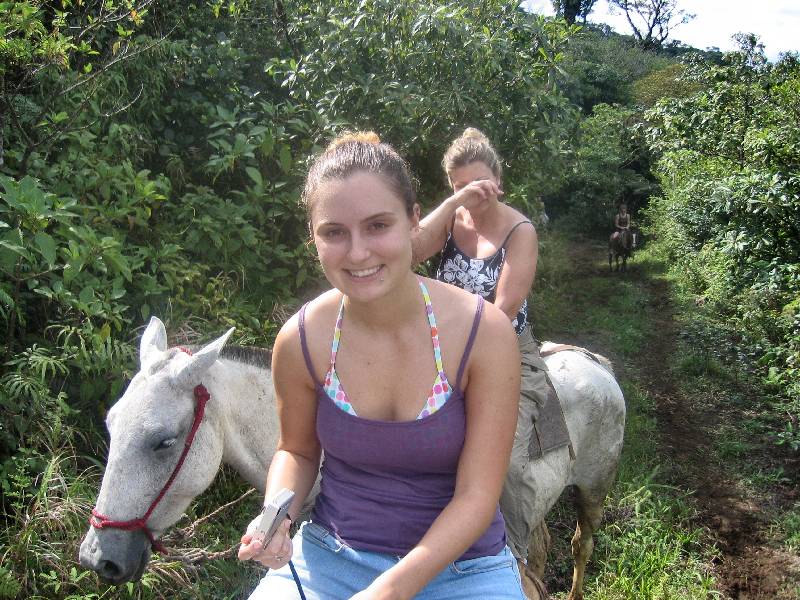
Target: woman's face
(474, 171)
(363, 235)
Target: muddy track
(749, 567)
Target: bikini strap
(337, 334)
(301, 323)
(437, 349)
(505, 241)
(472, 334)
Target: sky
(776, 22)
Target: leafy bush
(729, 216)
(151, 159)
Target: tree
(572, 9)
(652, 20)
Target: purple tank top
(385, 482)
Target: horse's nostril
(109, 570)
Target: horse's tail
(549, 348)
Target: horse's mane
(250, 355)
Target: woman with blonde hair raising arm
(410, 387)
(491, 249)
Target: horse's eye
(164, 444)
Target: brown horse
(620, 244)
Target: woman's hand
(476, 192)
(273, 554)
(387, 586)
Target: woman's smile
(364, 274)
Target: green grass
(650, 546)
(787, 528)
(39, 545)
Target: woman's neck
(391, 310)
(487, 219)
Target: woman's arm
(296, 461)
(519, 270)
(431, 235)
(491, 397)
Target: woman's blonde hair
(357, 151)
(472, 146)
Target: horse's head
(148, 428)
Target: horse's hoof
(532, 586)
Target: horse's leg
(538, 547)
(590, 514)
(610, 267)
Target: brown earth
(751, 565)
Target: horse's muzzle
(116, 556)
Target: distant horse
(621, 244)
(185, 413)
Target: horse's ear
(189, 375)
(154, 339)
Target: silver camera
(275, 511)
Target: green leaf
(255, 175)
(285, 158)
(47, 247)
(267, 145)
(86, 295)
(16, 249)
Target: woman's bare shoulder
(513, 216)
(454, 307)
(318, 319)
(448, 293)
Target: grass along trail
(705, 505)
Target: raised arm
(431, 235)
(491, 396)
(296, 461)
(519, 270)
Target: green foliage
(667, 82)
(608, 168)
(788, 527)
(151, 159)
(729, 215)
(604, 67)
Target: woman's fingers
(273, 554)
(249, 549)
(478, 191)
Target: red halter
(99, 521)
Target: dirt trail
(749, 567)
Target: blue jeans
(330, 570)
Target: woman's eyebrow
(379, 215)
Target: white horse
(155, 418)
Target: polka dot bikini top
(440, 391)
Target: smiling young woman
(410, 386)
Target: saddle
(550, 427)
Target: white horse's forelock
(161, 362)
